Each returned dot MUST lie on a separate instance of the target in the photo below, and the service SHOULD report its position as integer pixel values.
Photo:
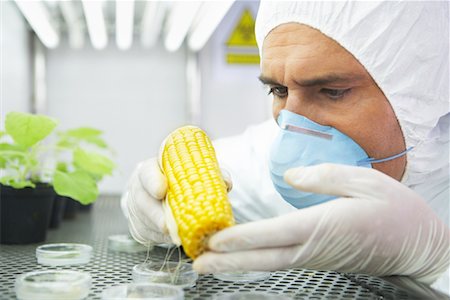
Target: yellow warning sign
(249, 59)
(241, 44)
(244, 32)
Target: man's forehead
(295, 50)
(300, 35)
(317, 79)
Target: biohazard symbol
(244, 32)
(241, 44)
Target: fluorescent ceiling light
(95, 23)
(209, 20)
(181, 16)
(124, 23)
(74, 24)
(37, 16)
(152, 21)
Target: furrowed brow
(268, 81)
(321, 80)
(329, 79)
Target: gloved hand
(378, 226)
(142, 203)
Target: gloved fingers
(124, 204)
(227, 178)
(152, 179)
(286, 230)
(340, 180)
(146, 209)
(251, 260)
(325, 245)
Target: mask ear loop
(371, 160)
(363, 162)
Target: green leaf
(16, 183)
(72, 138)
(62, 166)
(78, 185)
(10, 152)
(67, 143)
(93, 163)
(11, 155)
(83, 132)
(96, 141)
(13, 147)
(27, 129)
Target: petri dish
(63, 254)
(242, 276)
(143, 291)
(173, 273)
(125, 243)
(53, 285)
(251, 296)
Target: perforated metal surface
(111, 268)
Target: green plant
(26, 150)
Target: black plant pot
(71, 209)
(25, 214)
(59, 205)
(85, 208)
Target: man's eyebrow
(320, 80)
(330, 78)
(268, 81)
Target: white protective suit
(406, 51)
(404, 46)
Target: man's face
(312, 75)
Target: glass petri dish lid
(53, 285)
(173, 273)
(63, 254)
(242, 276)
(143, 291)
(251, 296)
(125, 243)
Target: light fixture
(180, 19)
(74, 27)
(95, 23)
(37, 16)
(213, 14)
(124, 23)
(152, 21)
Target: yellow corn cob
(197, 194)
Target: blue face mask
(302, 142)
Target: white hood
(405, 48)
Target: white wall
(232, 96)
(137, 97)
(15, 66)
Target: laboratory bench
(109, 268)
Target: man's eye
(279, 91)
(335, 93)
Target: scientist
(355, 177)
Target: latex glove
(142, 203)
(378, 226)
